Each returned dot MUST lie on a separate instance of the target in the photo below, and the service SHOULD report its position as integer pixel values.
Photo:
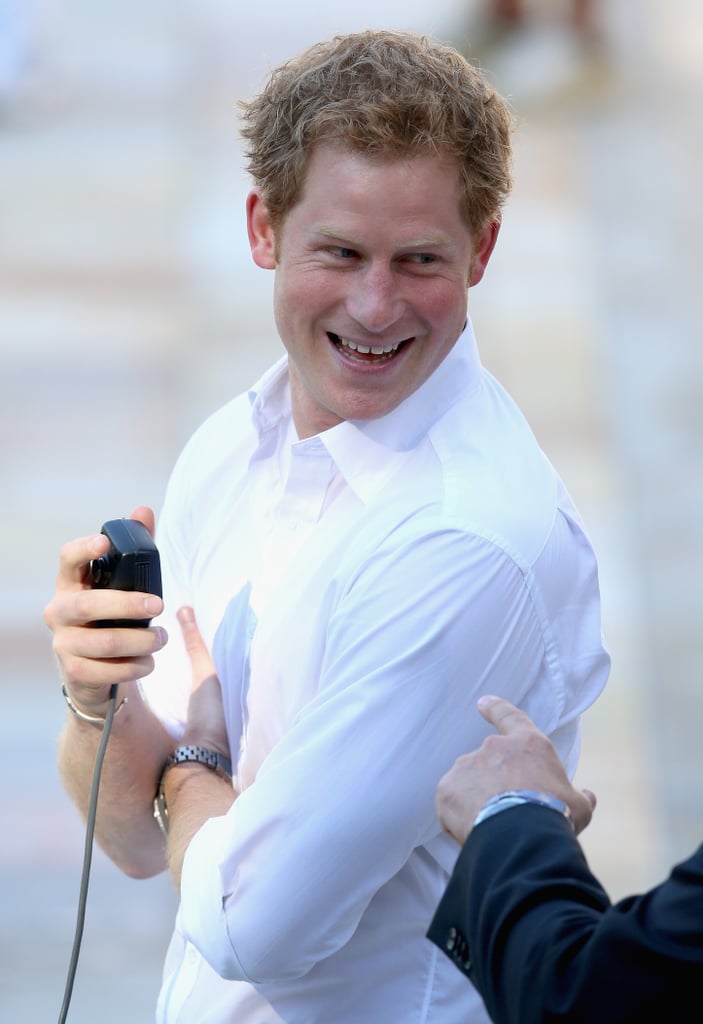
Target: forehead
(328, 156)
(344, 184)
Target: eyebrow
(333, 235)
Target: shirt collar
(270, 398)
(368, 452)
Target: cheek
(446, 303)
(442, 293)
(300, 305)
(302, 292)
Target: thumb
(144, 515)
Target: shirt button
(451, 940)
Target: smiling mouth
(365, 353)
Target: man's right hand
(92, 660)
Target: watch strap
(515, 797)
(202, 755)
(193, 753)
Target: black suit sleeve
(525, 919)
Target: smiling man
(373, 267)
(352, 552)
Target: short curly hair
(389, 94)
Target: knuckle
(442, 787)
(58, 649)
(66, 552)
(62, 649)
(83, 606)
(109, 644)
(49, 616)
(493, 743)
(74, 670)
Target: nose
(374, 300)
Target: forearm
(548, 943)
(194, 793)
(136, 751)
(534, 915)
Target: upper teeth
(365, 349)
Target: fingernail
(152, 605)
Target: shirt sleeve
(347, 795)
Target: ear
(485, 245)
(261, 238)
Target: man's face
(373, 266)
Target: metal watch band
(515, 797)
(190, 752)
(203, 755)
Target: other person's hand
(518, 756)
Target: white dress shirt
(359, 590)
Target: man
(363, 543)
(523, 916)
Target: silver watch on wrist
(514, 797)
(201, 755)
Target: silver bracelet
(515, 797)
(95, 719)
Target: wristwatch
(514, 797)
(201, 755)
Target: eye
(421, 258)
(343, 253)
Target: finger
(144, 515)
(75, 556)
(591, 797)
(582, 810)
(110, 643)
(200, 659)
(84, 606)
(504, 716)
(95, 675)
(95, 658)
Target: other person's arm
(526, 920)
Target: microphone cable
(88, 851)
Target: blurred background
(130, 308)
